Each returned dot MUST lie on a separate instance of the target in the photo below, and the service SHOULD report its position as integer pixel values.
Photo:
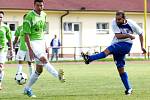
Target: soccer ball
(21, 78)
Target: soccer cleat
(128, 92)
(29, 93)
(85, 58)
(61, 75)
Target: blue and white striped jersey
(128, 28)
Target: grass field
(97, 81)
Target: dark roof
(97, 5)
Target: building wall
(87, 20)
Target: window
(102, 28)
(12, 25)
(71, 27)
(76, 27)
(67, 26)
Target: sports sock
(97, 56)
(124, 78)
(51, 69)
(31, 69)
(19, 68)
(1, 75)
(32, 80)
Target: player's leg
(125, 81)
(41, 56)
(20, 58)
(3, 54)
(56, 54)
(52, 56)
(30, 63)
(50, 68)
(31, 67)
(33, 78)
(120, 63)
(1, 74)
(119, 57)
(89, 58)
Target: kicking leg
(34, 77)
(58, 74)
(88, 58)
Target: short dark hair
(1, 12)
(38, 1)
(121, 12)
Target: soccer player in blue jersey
(121, 45)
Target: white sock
(31, 69)
(51, 69)
(1, 75)
(32, 80)
(19, 68)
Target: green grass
(83, 82)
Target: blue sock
(124, 78)
(97, 56)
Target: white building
(80, 23)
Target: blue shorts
(55, 51)
(119, 50)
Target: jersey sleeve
(136, 28)
(27, 25)
(17, 32)
(115, 28)
(8, 33)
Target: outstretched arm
(31, 54)
(141, 41)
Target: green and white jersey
(19, 33)
(34, 25)
(5, 35)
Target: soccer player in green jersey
(33, 27)
(5, 35)
(22, 53)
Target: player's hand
(132, 37)
(48, 55)
(47, 52)
(144, 51)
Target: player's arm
(139, 31)
(17, 34)
(47, 50)
(141, 41)
(8, 36)
(124, 36)
(27, 22)
(15, 41)
(27, 39)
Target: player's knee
(121, 70)
(39, 69)
(43, 59)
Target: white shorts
(3, 54)
(22, 55)
(38, 47)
